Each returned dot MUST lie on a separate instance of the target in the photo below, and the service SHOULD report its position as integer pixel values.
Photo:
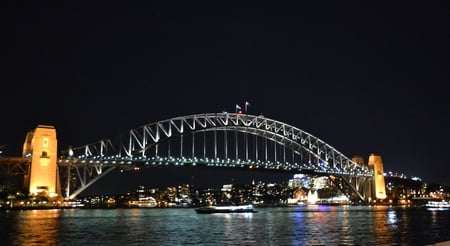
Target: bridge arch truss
(216, 140)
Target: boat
(248, 208)
(143, 202)
(442, 204)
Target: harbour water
(298, 225)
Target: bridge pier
(42, 178)
(378, 190)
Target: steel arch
(136, 142)
(93, 161)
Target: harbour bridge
(216, 140)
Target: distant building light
(298, 176)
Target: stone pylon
(41, 146)
(379, 187)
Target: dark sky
(363, 78)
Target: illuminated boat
(143, 202)
(438, 204)
(226, 209)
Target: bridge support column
(43, 176)
(379, 187)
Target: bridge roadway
(89, 171)
(227, 140)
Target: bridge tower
(41, 146)
(379, 187)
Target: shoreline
(24, 208)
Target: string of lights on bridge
(136, 162)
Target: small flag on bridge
(238, 109)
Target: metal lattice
(213, 139)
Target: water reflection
(330, 225)
(299, 220)
(381, 217)
(36, 227)
(346, 236)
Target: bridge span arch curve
(216, 140)
(142, 143)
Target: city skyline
(164, 177)
(366, 79)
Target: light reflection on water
(307, 225)
(35, 227)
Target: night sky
(363, 78)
